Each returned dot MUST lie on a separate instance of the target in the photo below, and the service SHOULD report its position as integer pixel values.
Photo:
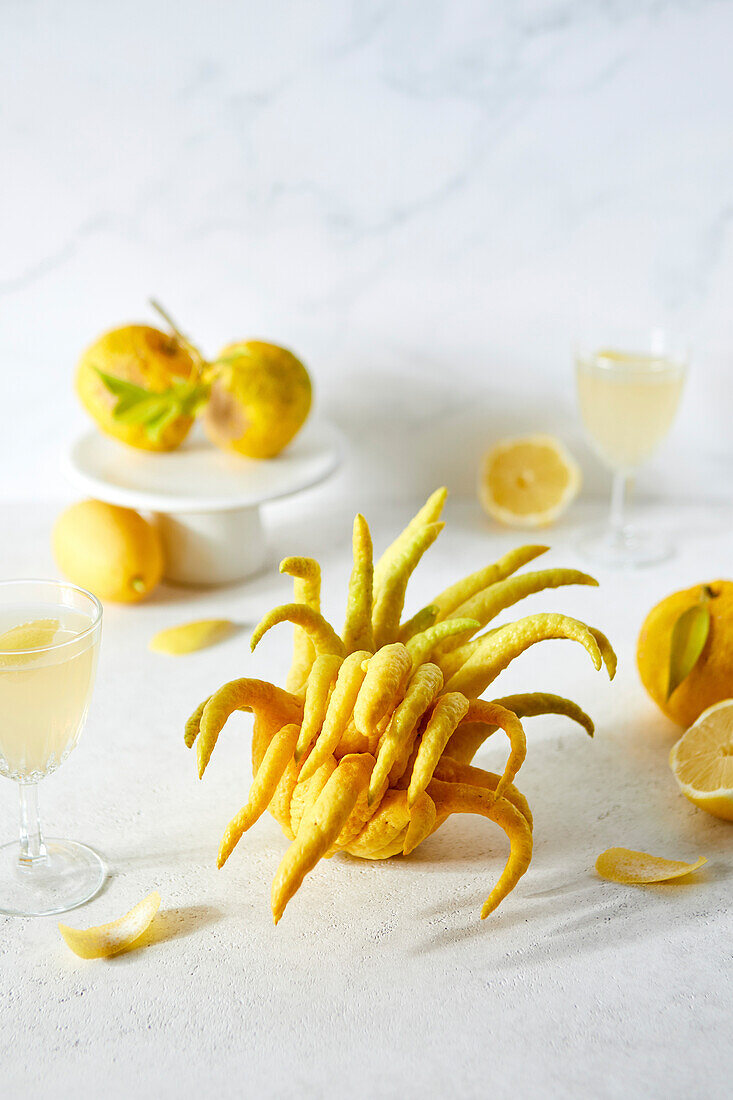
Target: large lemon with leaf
(260, 397)
(143, 386)
(685, 650)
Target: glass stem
(618, 505)
(32, 848)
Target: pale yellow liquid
(44, 693)
(628, 403)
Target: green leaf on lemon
(154, 411)
(689, 635)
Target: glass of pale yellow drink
(49, 642)
(628, 400)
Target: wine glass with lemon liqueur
(628, 401)
(49, 643)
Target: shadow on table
(620, 793)
(172, 924)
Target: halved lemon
(528, 482)
(702, 761)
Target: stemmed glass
(628, 400)
(49, 643)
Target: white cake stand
(206, 502)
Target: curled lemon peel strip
(176, 641)
(632, 868)
(106, 940)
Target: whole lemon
(147, 358)
(711, 678)
(260, 397)
(112, 551)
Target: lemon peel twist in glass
(369, 748)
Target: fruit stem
(194, 352)
(138, 584)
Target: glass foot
(626, 548)
(70, 874)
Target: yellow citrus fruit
(528, 482)
(111, 551)
(147, 358)
(260, 398)
(702, 761)
(711, 678)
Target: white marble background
(428, 200)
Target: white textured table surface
(380, 980)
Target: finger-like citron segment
(447, 713)
(320, 827)
(244, 694)
(455, 596)
(496, 717)
(422, 645)
(419, 622)
(118, 935)
(386, 671)
(422, 690)
(323, 636)
(317, 691)
(423, 817)
(340, 709)
(429, 513)
(358, 625)
(453, 798)
(607, 651)
(486, 605)
(478, 663)
(452, 771)
(470, 736)
(277, 756)
(391, 819)
(389, 592)
(532, 704)
(193, 724)
(306, 573)
(306, 792)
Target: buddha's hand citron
(111, 551)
